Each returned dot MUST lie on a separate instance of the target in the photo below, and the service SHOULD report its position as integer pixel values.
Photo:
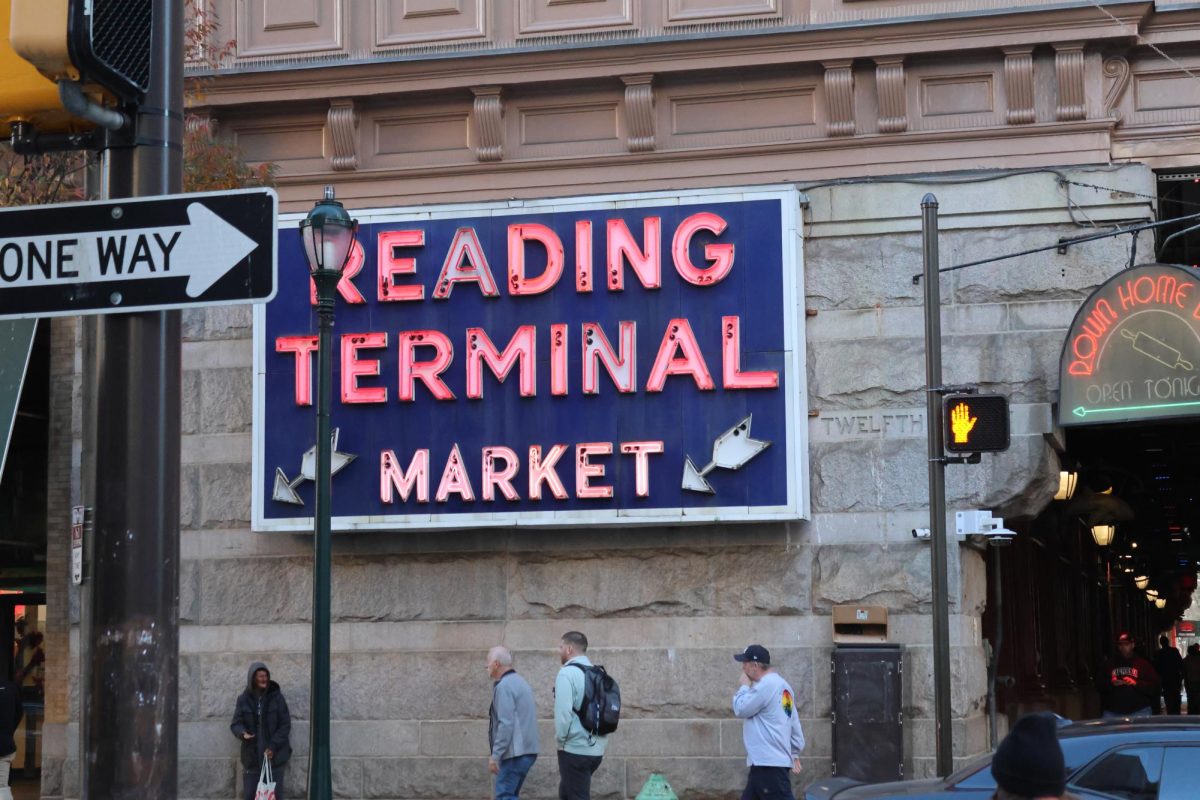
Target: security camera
(920, 533)
(968, 523)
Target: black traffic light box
(109, 42)
(975, 423)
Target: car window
(1179, 773)
(981, 778)
(1133, 773)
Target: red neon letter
(427, 372)
(517, 236)
(493, 477)
(596, 348)
(354, 368)
(455, 479)
(558, 359)
(732, 376)
(679, 336)
(641, 452)
(391, 476)
(390, 265)
(585, 470)
(647, 264)
(303, 347)
(720, 255)
(345, 287)
(583, 255)
(540, 471)
(465, 263)
(522, 347)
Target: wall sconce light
(1141, 581)
(1151, 594)
(1103, 534)
(1066, 485)
(1160, 603)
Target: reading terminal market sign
(592, 360)
(1133, 350)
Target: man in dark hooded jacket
(262, 723)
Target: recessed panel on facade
(1133, 350)
(557, 363)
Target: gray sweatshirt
(513, 716)
(569, 733)
(771, 731)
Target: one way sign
(138, 254)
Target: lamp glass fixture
(1160, 603)
(1066, 485)
(1141, 581)
(1103, 534)
(1151, 594)
(328, 235)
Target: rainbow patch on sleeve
(786, 701)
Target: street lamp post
(328, 236)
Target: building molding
(1117, 73)
(639, 112)
(488, 113)
(839, 97)
(1018, 86)
(342, 122)
(892, 94)
(1068, 70)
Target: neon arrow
(1083, 411)
(203, 251)
(731, 450)
(284, 490)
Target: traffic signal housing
(26, 94)
(102, 45)
(975, 423)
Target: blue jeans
(512, 776)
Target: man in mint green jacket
(579, 752)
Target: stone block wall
(665, 608)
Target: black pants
(768, 783)
(250, 782)
(1193, 690)
(575, 775)
(1171, 698)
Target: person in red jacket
(1131, 685)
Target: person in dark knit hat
(1028, 764)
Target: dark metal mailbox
(868, 721)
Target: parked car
(1147, 758)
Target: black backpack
(601, 708)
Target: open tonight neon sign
(1133, 350)
(578, 361)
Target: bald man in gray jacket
(512, 729)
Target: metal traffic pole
(131, 691)
(937, 485)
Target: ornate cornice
(1018, 85)
(639, 112)
(391, 75)
(488, 112)
(342, 122)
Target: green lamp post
(328, 236)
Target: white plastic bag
(266, 782)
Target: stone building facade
(1029, 121)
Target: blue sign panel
(595, 360)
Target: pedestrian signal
(976, 423)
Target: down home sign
(590, 360)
